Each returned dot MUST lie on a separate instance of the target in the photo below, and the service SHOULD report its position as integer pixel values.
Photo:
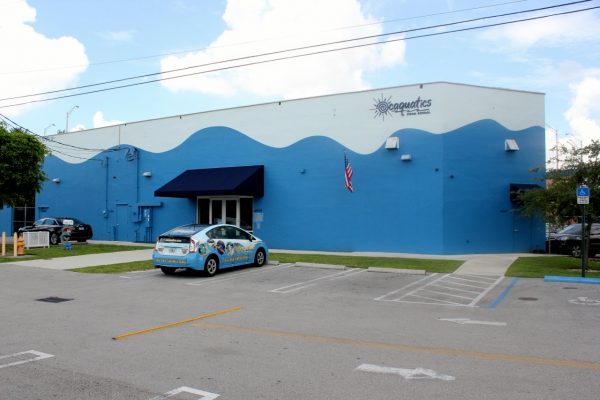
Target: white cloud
(262, 26)
(77, 128)
(549, 32)
(584, 113)
(99, 121)
(31, 62)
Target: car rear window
(181, 233)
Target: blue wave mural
(452, 197)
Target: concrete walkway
(474, 264)
(88, 260)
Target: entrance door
(233, 211)
(121, 229)
(224, 211)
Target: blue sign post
(583, 198)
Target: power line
(288, 57)
(71, 147)
(289, 50)
(261, 40)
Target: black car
(568, 241)
(61, 228)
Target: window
(23, 216)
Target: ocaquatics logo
(384, 107)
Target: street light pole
(556, 148)
(68, 113)
(48, 127)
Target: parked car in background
(207, 248)
(568, 241)
(61, 227)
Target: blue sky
(60, 44)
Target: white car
(207, 248)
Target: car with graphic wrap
(207, 248)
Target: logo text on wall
(385, 107)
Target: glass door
(233, 211)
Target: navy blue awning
(230, 181)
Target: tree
(557, 203)
(21, 160)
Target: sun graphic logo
(382, 107)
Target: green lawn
(350, 261)
(59, 251)
(365, 262)
(538, 267)
(116, 268)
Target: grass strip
(58, 251)
(443, 266)
(116, 268)
(538, 267)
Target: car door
(218, 239)
(238, 246)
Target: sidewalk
(88, 260)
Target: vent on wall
(392, 143)
(511, 145)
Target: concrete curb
(571, 279)
(274, 262)
(315, 265)
(397, 270)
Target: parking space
(283, 332)
(288, 279)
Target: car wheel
(260, 258)
(167, 270)
(211, 266)
(80, 240)
(54, 238)
(576, 250)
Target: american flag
(348, 174)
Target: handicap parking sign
(583, 195)
(583, 191)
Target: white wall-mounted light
(406, 157)
(392, 143)
(147, 174)
(511, 145)
(56, 180)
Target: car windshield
(574, 229)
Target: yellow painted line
(519, 359)
(172, 324)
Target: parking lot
(288, 332)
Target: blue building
(434, 168)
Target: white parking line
(313, 282)
(482, 295)
(38, 356)
(209, 281)
(447, 294)
(381, 298)
(456, 289)
(447, 290)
